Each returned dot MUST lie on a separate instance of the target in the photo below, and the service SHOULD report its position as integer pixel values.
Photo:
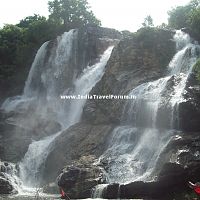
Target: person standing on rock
(63, 194)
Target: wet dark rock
(187, 152)
(5, 186)
(150, 190)
(184, 149)
(173, 173)
(78, 179)
(112, 191)
(194, 171)
(172, 179)
(189, 110)
(7, 170)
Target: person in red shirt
(195, 187)
(63, 194)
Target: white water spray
(135, 149)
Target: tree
(148, 21)
(71, 13)
(27, 21)
(187, 16)
(182, 16)
(178, 17)
(11, 37)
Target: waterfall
(84, 84)
(133, 153)
(148, 121)
(49, 68)
(142, 111)
(52, 74)
(31, 165)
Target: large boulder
(5, 186)
(80, 139)
(183, 149)
(79, 179)
(8, 178)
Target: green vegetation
(187, 16)
(19, 43)
(71, 13)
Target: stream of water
(148, 120)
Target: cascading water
(38, 151)
(83, 85)
(53, 73)
(133, 153)
(49, 77)
(148, 120)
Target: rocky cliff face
(85, 140)
(133, 62)
(137, 59)
(189, 111)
